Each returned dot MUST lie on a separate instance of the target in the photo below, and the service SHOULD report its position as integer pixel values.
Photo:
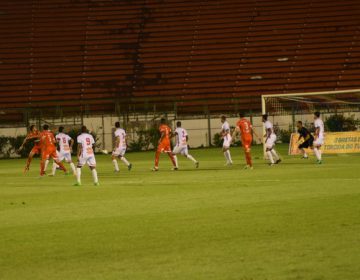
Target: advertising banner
(335, 143)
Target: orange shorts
(49, 153)
(164, 147)
(246, 142)
(36, 149)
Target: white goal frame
(265, 96)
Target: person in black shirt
(306, 136)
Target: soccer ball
(105, 152)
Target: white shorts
(119, 152)
(64, 156)
(270, 141)
(318, 142)
(183, 150)
(227, 141)
(90, 160)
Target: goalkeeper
(306, 137)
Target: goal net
(340, 111)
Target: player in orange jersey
(244, 127)
(164, 145)
(33, 135)
(48, 149)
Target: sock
(270, 156)
(116, 166)
(157, 157)
(176, 160)
(248, 158)
(72, 165)
(78, 175)
(226, 156)
(172, 159)
(191, 158)
(42, 170)
(61, 165)
(320, 152)
(94, 174)
(46, 164)
(229, 156)
(28, 162)
(53, 171)
(124, 160)
(275, 155)
(317, 153)
(305, 155)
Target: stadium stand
(68, 57)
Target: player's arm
(300, 136)
(23, 143)
(256, 135)
(117, 142)
(79, 150)
(236, 132)
(162, 136)
(267, 133)
(71, 144)
(317, 132)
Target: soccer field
(295, 220)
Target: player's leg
(317, 145)
(67, 157)
(44, 158)
(28, 161)
(79, 165)
(61, 157)
(247, 151)
(269, 145)
(186, 154)
(275, 156)
(114, 155)
(60, 164)
(169, 153)
(302, 149)
(92, 164)
(157, 158)
(226, 149)
(175, 151)
(34, 151)
(124, 160)
(53, 169)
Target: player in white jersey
(319, 136)
(85, 153)
(181, 146)
(225, 133)
(65, 143)
(270, 139)
(120, 148)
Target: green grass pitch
(295, 220)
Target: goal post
(286, 109)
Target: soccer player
(33, 135)
(85, 154)
(120, 148)
(270, 139)
(164, 145)
(225, 133)
(308, 139)
(181, 147)
(319, 136)
(65, 143)
(48, 150)
(244, 127)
